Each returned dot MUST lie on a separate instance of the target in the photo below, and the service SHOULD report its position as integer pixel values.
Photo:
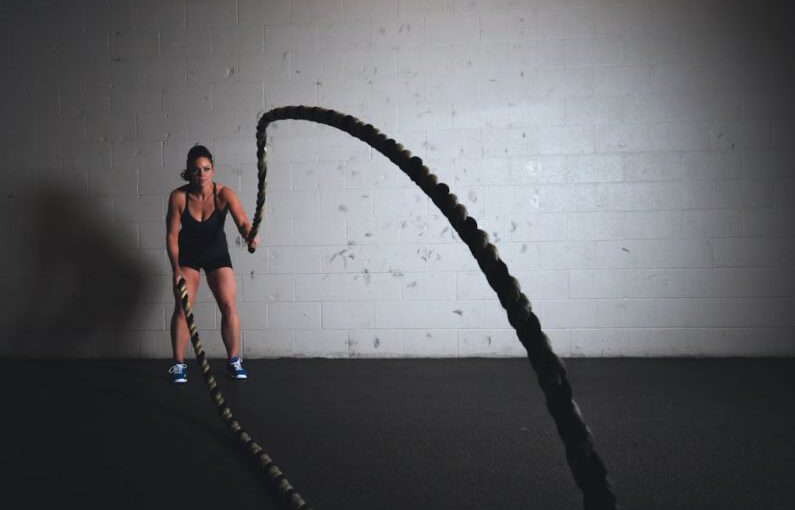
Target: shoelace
(237, 364)
(176, 369)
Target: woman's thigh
(191, 285)
(222, 284)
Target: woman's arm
(172, 231)
(238, 215)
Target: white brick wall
(632, 161)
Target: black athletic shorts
(208, 264)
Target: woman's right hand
(177, 276)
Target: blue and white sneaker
(235, 370)
(179, 373)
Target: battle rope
(275, 477)
(587, 467)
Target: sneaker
(235, 370)
(179, 373)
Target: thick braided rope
(587, 467)
(278, 482)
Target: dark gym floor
(397, 434)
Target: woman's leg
(222, 283)
(179, 326)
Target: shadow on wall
(71, 287)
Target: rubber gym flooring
(396, 434)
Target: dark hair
(195, 152)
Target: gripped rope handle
(262, 172)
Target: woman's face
(202, 171)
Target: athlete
(195, 240)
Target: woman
(200, 208)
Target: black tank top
(203, 238)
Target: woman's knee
(228, 307)
(178, 313)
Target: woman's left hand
(253, 243)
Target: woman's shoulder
(224, 192)
(223, 188)
(179, 191)
(177, 195)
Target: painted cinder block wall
(631, 160)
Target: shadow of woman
(76, 287)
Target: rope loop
(587, 467)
